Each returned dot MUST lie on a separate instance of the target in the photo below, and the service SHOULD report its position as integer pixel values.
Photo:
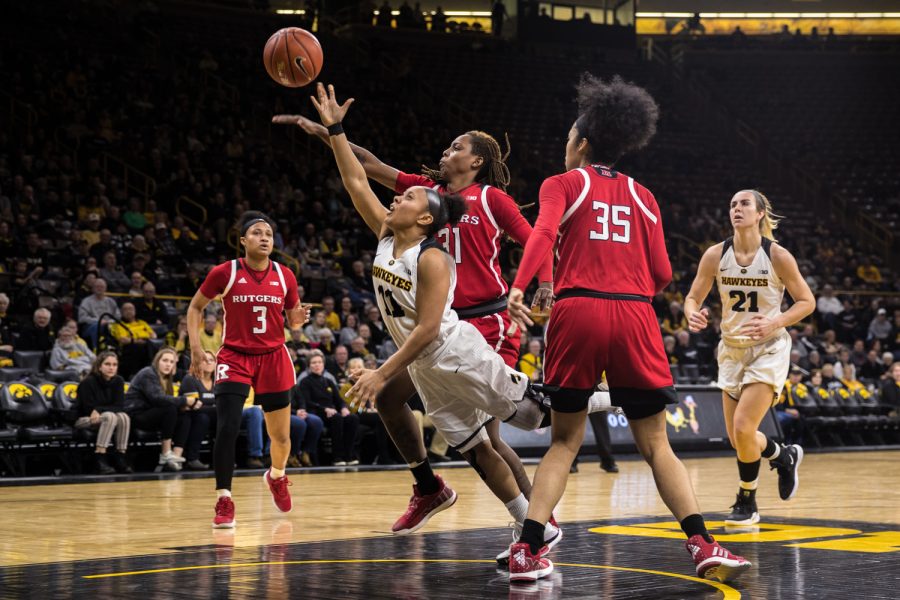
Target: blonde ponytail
(769, 223)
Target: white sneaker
(170, 457)
(552, 536)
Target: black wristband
(335, 129)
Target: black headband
(251, 223)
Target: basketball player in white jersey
(752, 272)
(463, 383)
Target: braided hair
(493, 171)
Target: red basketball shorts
(494, 329)
(589, 336)
(268, 373)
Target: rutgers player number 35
(621, 225)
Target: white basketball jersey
(747, 292)
(396, 283)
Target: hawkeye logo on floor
(843, 539)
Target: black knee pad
(274, 401)
(567, 400)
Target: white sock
(221, 493)
(276, 473)
(518, 508)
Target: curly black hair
(493, 171)
(450, 209)
(250, 217)
(615, 117)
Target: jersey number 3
(742, 298)
(260, 312)
(618, 220)
(391, 307)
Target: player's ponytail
(445, 209)
(769, 223)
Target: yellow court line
(728, 592)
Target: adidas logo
(519, 557)
(694, 549)
(242, 280)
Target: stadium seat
(14, 374)
(59, 376)
(24, 404)
(32, 360)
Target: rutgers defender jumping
(751, 272)
(612, 261)
(472, 166)
(256, 292)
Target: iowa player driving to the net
(612, 261)
(752, 272)
(256, 293)
(463, 383)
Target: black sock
(425, 479)
(771, 448)
(533, 535)
(694, 525)
(749, 472)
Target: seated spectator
(829, 381)
(254, 421)
(369, 422)
(346, 309)
(338, 365)
(531, 362)
(71, 355)
(674, 321)
(844, 369)
(880, 328)
(133, 336)
(873, 368)
(137, 284)
(358, 348)
(100, 405)
(200, 388)
(306, 429)
(788, 416)
(115, 277)
(317, 328)
(149, 308)
(332, 319)
(669, 343)
(365, 334)
(828, 307)
(685, 351)
(848, 322)
(890, 389)
(39, 334)
(858, 354)
(178, 339)
(830, 346)
(812, 362)
(152, 406)
(320, 396)
(350, 331)
(868, 272)
(93, 307)
(211, 333)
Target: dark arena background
(134, 134)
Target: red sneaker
(421, 508)
(525, 566)
(224, 514)
(715, 562)
(281, 497)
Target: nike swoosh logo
(723, 269)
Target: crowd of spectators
(86, 255)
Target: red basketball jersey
(474, 242)
(610, 234)
(254, 303)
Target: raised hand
(307, 125)
(330, 112)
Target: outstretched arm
(352, 173)
(384, 174)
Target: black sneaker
(609, 466)
(743, 511)
(103, 466)
(121, 463)
(787, 464)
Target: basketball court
(839, 538)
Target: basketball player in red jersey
(612, 261)
(473, 166)
(256, 292)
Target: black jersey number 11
(742, 298)
(391, 306)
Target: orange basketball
(293, 57)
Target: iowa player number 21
(621, 226)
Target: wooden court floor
(839, 538)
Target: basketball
(293, 57)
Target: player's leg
(273, 380)
(230, 400)
(510, 457)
